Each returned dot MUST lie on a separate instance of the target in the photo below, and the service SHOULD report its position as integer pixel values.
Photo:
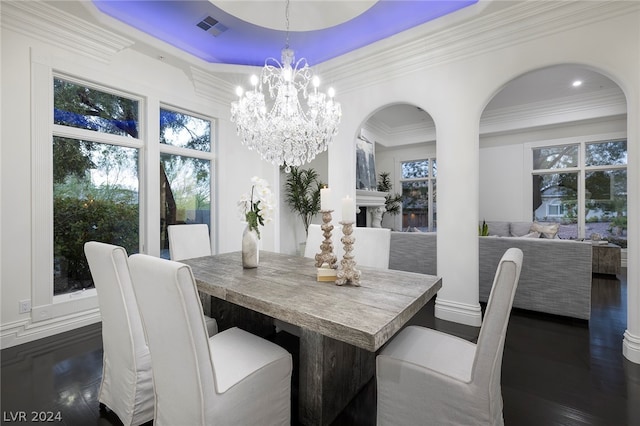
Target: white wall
(501, 188)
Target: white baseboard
(460, 313)
(19, 332)
(631, 347)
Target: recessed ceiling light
(577, 83)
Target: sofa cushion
(519, 229)
(498, 229)
(548, 230)
(533, 234)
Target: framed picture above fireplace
(365, 164)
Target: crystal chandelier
(280, 129)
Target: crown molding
(51, 25)
(573, 108)
(401, 135)
(424, 47)
(609, 103)
(211, 87)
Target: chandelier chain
(286, 18)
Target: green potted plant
(302, 194)
(483, 230)
(392, 202)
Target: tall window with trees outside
(95, 176)
(583, 186)
(185, 171)
(419, 191)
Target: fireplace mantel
(366, 198)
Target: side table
(606, 259)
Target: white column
(342, 170)
(631, 341)
(457, 203)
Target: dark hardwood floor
(556, 371)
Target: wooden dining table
(341, 327)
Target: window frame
(63, 304)
(193, 153)
(581, 169)
(429, 179)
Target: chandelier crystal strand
(282, 131)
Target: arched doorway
(565, 127)
(403, 139)
(572, 120)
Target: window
(589, 195)
(184, 130)
(82, 107)
(555, 157)
(95, 177)
(554, 193)
(96, 156)
(185, 171)
(418, 180)
(556, 208)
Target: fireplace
(368, 202)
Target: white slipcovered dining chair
(428, 377)
(187, 242)
(314, 239)
(126, 387)
(370, 249)
(231, 378)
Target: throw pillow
(548, 230)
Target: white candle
(325, 199)
(348, 209)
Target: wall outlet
(24, 306)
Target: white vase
(250, 249)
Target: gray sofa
(555, 276)
(413, 252)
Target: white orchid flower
(259, 203)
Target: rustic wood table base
(331, 375)
(230, 315)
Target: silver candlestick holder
(326, 255)
(348, 272)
